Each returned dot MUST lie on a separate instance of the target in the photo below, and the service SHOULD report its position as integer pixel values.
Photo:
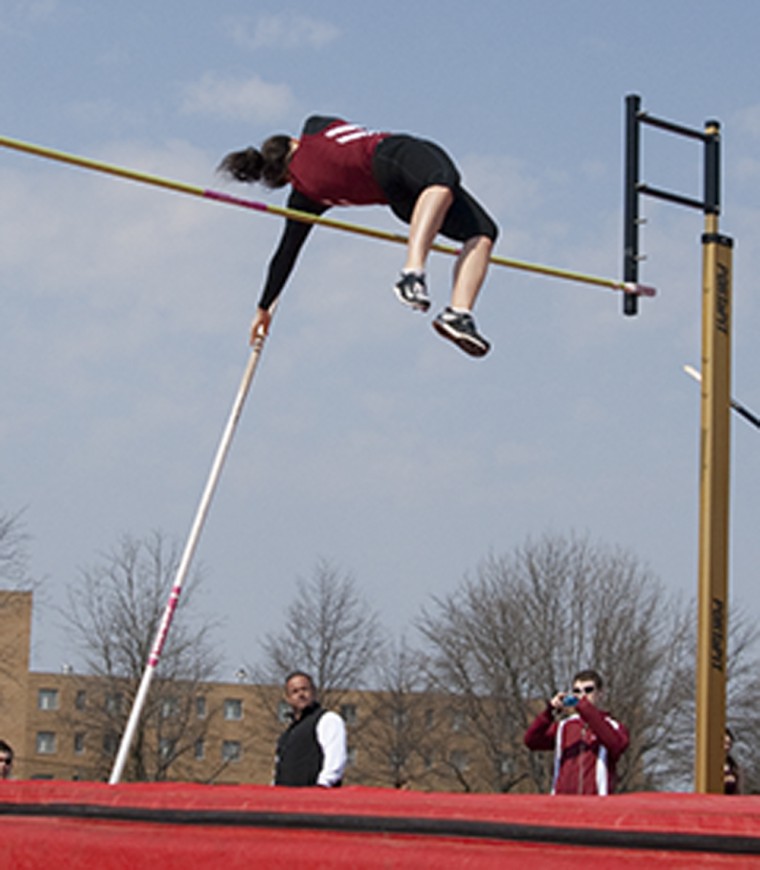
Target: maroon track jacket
(586, 748)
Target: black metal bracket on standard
(634, 187)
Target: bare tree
(393, 743)
(14, 578)
(14, 552)
(513, 636)
(743, 696)
(113, 614)
(330, 631)
(742, 702)
(470, 636)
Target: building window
(79, 743)
(166, 748)
(80, 700)
(169, 708)
(114, 703)
(399, 719)
(46, 742)
(233, 709)
(348, 712)
(47, 699)
(429, 717)
(284, 712)
(351, 755)
(231, 750)
(457, 721)
(109, 743)
(200, 749)
(200, 706)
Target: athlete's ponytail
(269, 166)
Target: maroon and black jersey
(339, 163)
(333, 163)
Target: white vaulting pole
(184, 565)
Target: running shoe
(459, 327)
(411, 290)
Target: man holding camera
(587, 743)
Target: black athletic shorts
(404, 166)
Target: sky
(366, 440)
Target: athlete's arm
(291, 242)
(283, 260)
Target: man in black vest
(312, 750)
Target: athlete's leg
(427, 219)
(466, 220)
(470, 271)
(423, 188)
(420, 180)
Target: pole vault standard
(717, 274)
(184, 565)
(630, 289)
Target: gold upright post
(714, 508)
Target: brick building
(15, 630)
(67, 726)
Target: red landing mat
(167, 825)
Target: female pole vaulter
(338, 163)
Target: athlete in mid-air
(338, 163)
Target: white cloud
(250, 99)
(283, 31)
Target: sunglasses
(583, 690)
